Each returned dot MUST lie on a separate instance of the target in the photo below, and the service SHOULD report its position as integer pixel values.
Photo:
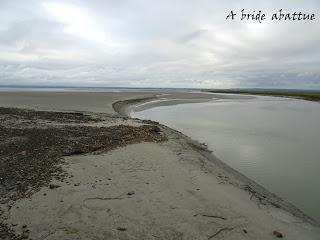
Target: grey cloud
(192, 35)
(156, 44)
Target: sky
(167, 43)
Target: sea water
(274, 141)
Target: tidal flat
(70, 173)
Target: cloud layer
(164, 43)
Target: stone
(53, 186)
(130, 193)
(122, 229)
(277, 234)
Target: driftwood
(219, 231)
(210, 216)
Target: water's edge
(125, 107)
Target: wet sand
(169, 189)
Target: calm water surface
(275, 141)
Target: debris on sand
(33, 144)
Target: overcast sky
(165, 43)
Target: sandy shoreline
(174, 189)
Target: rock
(25, 235)
(53, 186)
(276, 205)
(77, 184)
(155, 129)
(245, 230)
(121, 229)
(277, 234)
(23, 153)
(130, 193)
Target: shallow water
(275, 141)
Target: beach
(86, 170)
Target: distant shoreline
(306, 94)
(299, 94)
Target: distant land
(306, 94)
(310, 95)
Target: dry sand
(98, 102)
(170, 190)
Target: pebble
(24, 235)
(277, 234)
(52, 186)
(121, 229)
